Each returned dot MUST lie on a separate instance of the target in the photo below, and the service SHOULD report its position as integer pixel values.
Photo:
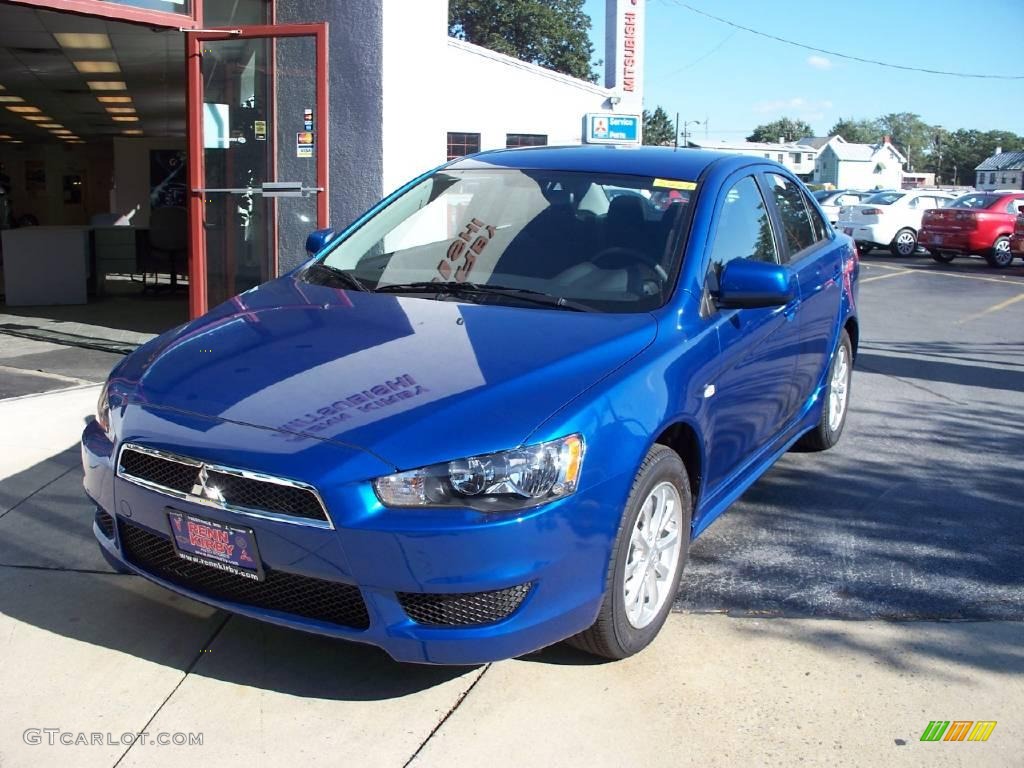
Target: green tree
(551, 33)
(784, 127)
(857, 131)
(658, 129)
(912, 136)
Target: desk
(44, 266)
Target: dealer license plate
(229, 548)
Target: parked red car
(979, 222)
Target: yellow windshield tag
(675, 184)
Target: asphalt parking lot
(844, 602)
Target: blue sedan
(494, 412)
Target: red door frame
(197, 299)
(119, 12)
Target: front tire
(651, 550)
(836, 401)
(943, 257)
(905, 243)
(1000, 256)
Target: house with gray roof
(1004, 170)
(860, 166)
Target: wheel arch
(852, 328)
(682, 438)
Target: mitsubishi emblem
(201, 488)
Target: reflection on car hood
(410, 379)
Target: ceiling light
(107, 85)
(5, 136)
(96, 67)
(25, 110)
(93, 40)
(11, 100)
(125, 118)
(38, 118)
(132, 132)
(16, 141)
(50, 125)
(60, 131)
(114, 99)
(121, 110)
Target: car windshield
(974, 201)
(884, 198)
(598, 242)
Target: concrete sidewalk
(89, 651)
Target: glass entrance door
(257, 154)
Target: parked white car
(891, 219)
(832, 200)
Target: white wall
(498, 95)
(131, 175)
(419, 89)
(434, 84)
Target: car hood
(411, 380)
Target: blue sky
(705, 69)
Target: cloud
(819, 62)
(780, 105)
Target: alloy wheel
(906, 243)
(839, 389)
(654, 549)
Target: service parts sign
(613, 128)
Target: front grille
(463, 609)
(105, 523)
(159, 471)
(225, 488)
(259, 494)
(326, 601)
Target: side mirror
(745, 283)
(316, 240)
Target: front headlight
(103, 407)
(496, 482)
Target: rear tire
(1000, 256)
(836, 400)
(943, 257)
(637, 600)
(905, 242)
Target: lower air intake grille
(105, 523)
(463, 609)
(327, 601)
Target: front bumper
(548, 565)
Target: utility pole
(676, 132)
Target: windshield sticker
(470, 243)
(674, 184)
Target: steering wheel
(642, 267)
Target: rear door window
(797, 228)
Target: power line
(845, 55)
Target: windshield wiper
(479, 289)
(341, 274)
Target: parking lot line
(885, 277)
(993, 308)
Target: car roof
(687, 164)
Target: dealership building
(205, 138)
